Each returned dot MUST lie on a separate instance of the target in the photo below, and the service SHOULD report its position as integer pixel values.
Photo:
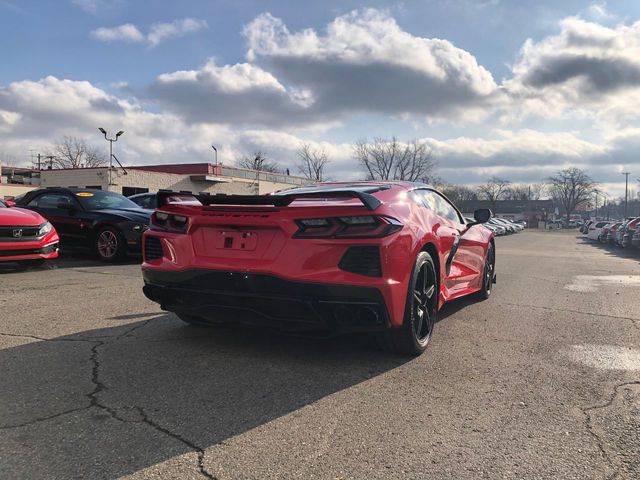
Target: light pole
(626, 191)
(110, 140)
(216, 153)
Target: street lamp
(216, 153)
(110, 140)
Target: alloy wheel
(107, 244)
(424, 303)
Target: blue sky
(512, 88)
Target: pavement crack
(99, 387)
(599, 442)
(634, 321)
(176, 436)
(44, 419)
(134, 328)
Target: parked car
(509, 228)
(148, 200)
(613, 230)
(25, 236)
(627, 233)
(366, 257)
(595, 229)
(106, 223)
(604, 232)
(635, 239)
(498, 231)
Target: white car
(593, 233)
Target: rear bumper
(267, 300)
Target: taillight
(168, 222)
(365, 226)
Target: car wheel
(421, 311)
(109, 244)
(488, 273)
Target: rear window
(601, 224)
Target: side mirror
(10, 203)
(482, 215)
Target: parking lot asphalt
(540, 381)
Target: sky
(517, 89)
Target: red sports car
(367, 256)
(25, 236)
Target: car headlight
(44, 229)
(139, 227)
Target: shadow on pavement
(109, 402)
(614, 250)
(66, 260)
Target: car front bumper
(267, 300)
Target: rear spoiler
(280, 200)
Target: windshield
(2, 205)
(99, 200)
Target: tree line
(378, 159)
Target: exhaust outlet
(367, 316)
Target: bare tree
(495, 189)
(389, 159)
(459, 193)
(258, 161)
(533, 191)
(72, 152)
(571, 187)
(312, 162)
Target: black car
(106, 223)
(144, 200)
(148, 200)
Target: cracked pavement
(97, 382)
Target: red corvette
(25, 236)
(367, 256)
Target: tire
(109, 244)
(36, 262)
(487, 273)
(421, 311)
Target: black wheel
(488, 273)
(421, 310)
(109, 244)
(36, 262)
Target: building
(189, 177)
(16, 181)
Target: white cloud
(123, 33)
(366, 62)
(587, 70)
(158, 33)
(241, 94)
(96, 6)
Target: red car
(25, 236)
(367, 256)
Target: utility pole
(39, 163)
(596, 205)
(626, 192)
